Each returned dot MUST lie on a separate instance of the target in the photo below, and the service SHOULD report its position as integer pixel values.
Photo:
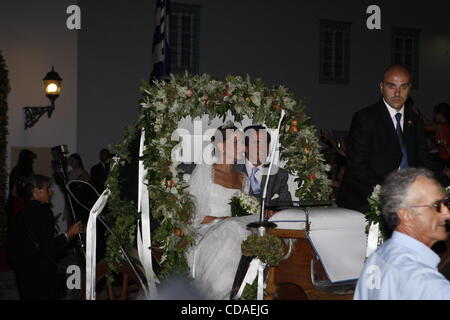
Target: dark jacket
(374, 151)
(277, 185)
(32, 248)
(99, 173)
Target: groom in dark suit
(384, 137)
(257, 141)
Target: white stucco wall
(33, 37)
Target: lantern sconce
(52, 87)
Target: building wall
(33, 37)
(277, 41)
(114, 55)
(103, 63)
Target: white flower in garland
(289, 103)
(183, 91)
(376, 193)
(159, 106)
(256, 98)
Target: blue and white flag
(161, 53)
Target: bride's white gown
(215, 258)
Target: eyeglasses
(437, 205)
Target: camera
(59, 152)
(59, 162)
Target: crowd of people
(390, 143)
(34, 245)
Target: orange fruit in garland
(169, 184)
(294, 129)
(178, 232)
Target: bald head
(396, 69)
(395, 86)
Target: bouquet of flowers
(244, 205)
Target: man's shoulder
(370, 110)
(400, 258)
(97, 166)
(402, 275)
(282, 171)
(276, 169)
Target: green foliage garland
(268, 248)
(4, 90)
(122, 214)
(163, 105)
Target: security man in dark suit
(384, 137)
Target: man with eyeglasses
(415, 206)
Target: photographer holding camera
(32, 245)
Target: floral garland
(268, 248)
(374, 216)
(165, 103)
(4, 90)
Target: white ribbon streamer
(91, 244)
(260, 294)
(144, 239)
(373, 238)
(256, 269)
(271, 159)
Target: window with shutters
(184, 38)
(334, 52)
(405, 51)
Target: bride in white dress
(215, 258)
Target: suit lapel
(408, 131)
(386, 120)
(408, 122)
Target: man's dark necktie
(398, 129)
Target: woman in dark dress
(32, 245)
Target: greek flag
(161, 54)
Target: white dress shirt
(249, 167)
(393, 112)
(403, 268)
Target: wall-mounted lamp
(52, 87)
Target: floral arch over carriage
(163, 105)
